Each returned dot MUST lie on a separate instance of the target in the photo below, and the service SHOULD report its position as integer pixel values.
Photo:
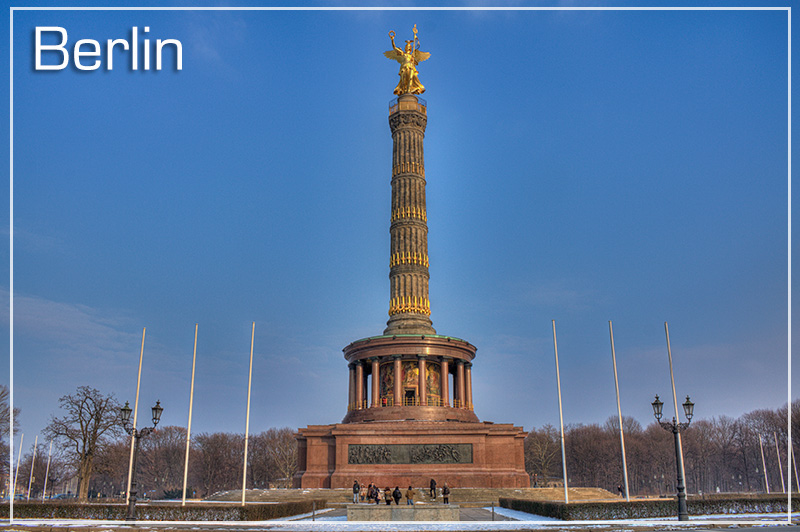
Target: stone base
(402, 512)
(411, 453)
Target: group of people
(372, 493)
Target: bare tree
(90, 419)
(542, 450)
(273, 457)
(111, 468)
(161, 460)
(283, 452)
(217, 464)
(629, 425)
(5, 431)
(5, 414)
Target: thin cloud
(209, 35)
(72, 329)
(558, 294)
(35, 242)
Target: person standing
(356, 490)
(387, 495)
(410, 494)
(378, 495)
(433, 489)
(397, 495)
(446, 493)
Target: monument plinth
(409, 408)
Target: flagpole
(135, 412)
(560, 416)
(47, 471)
(189, 426)
(33, 462)
(247, 421)
(675, 402)
(16, 470)
(619, 413)
(780, 465)
(763, 463)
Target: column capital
(351, 365)
(446, 359)
(397, 356)
(411, 120)
(468, 365)
(422, 355)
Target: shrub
(650, 508)
(151, 512)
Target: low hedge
(151, 512)
(649, 508)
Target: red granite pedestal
(410, 453)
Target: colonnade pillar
(398, 384)
(460, 383)
(351, 390)
(422, 382)
(359, 385)
(445, 385)
(468, 385)
(376, 382)
(360, 397)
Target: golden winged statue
(408, 58)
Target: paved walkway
(480, 514)
(464, 514)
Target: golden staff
(416, 39)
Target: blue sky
(582, 166)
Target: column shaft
(445, 386)
(359, 385)
(376, 382)
(460, 381)
(423, 388)
(409, 306)
(468, 384)
(351, 389)
(398, 382)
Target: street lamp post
(676, 428)
(125, 412)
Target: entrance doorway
(410, 397)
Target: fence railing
(432, 400)
(420, 106)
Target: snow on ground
(522, 516)
(525, 521)
(320, 516)
(770, 518)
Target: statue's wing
(394, 54)
(421, 56)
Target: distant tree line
(91, 447)
(720, 454)
(215, 463)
